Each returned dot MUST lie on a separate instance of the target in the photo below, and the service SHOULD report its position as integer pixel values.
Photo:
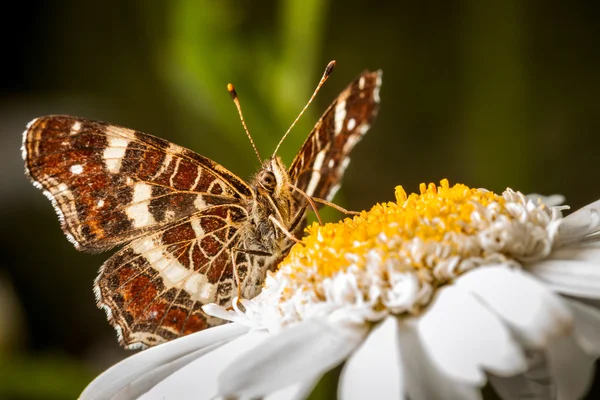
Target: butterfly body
(189, 229)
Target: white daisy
(429, 297)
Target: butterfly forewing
(319, 166)
(111, 184)
(153, 289)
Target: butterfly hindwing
(319, 166)
(154, 288)
(111, 184)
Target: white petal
(422, 377)
(577, 278)
(589, 252)
(550, 201)
(299, 352)
(533, 312)
(145, 382)
(587, 326)
(534, 384)
(374, 370)
(581, 223)
(120, 375)
(296, 391)
(198, 379)
(465, 338)
(571, 368)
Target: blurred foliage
(43, 377)
(492, 94)
(204, 44)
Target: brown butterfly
(193, 232)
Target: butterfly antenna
(236, 100)
(328, 71)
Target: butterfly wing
(110, 184)
(181, 213)
(319, 166)
(153, 289)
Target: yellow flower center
(438, 214)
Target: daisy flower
(428, 297)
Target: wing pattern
(319, 166)
(110, 184)
(154, 288)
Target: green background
(490, 94)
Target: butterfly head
(273, 177)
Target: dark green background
(491, 94)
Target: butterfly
(191, 232)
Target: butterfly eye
(267, 180)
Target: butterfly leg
(310, 201)
(283, 229)
(296, 222)
(238, 283)
(298, 219)
(333, 205)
